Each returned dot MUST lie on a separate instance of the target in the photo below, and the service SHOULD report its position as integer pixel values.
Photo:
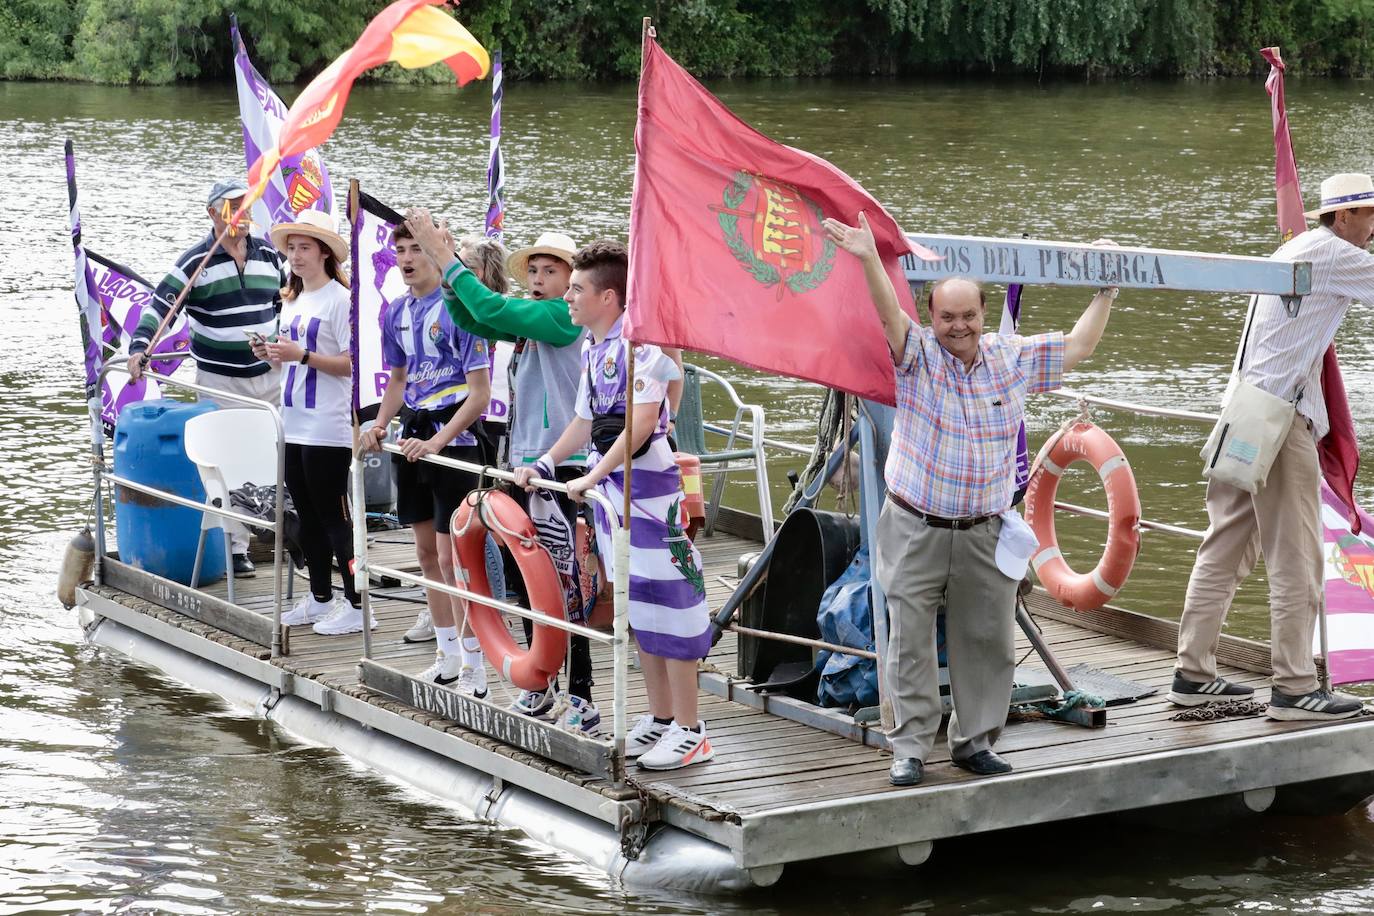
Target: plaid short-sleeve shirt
(953, 447)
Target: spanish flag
(413, 33)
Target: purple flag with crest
(301, 182)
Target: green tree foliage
(35, 38)
(161, 41)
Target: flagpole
(620, 539)
(359, 570)
(181, 296)
(1291, 222)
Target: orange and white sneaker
(679, 747)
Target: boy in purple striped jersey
(440, 385)
(668, 612)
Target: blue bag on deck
(846, 618)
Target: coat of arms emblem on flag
(774, 232)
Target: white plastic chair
(229, 448)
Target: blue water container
(154, 535)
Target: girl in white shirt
(313, 348)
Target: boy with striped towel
(668, 612)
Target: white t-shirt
(315, 404)
(498, 410)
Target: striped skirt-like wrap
(668, 611)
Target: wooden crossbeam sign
(1039, 262)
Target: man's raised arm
(858, 241)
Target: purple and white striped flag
(496, 169)
(105, 290)
(301, 182)
(87, 305)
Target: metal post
(620, 541)
(97, 463)
(1321, 629)
(279, 518)
(871, 492)
(359, 571)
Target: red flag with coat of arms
(727, 252)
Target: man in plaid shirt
(950, 473)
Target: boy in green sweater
(544, 375)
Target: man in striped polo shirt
(238, 293)
(950, 473)
(1281, 352)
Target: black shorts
(427, 491)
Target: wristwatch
(305, 357)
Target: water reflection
(122, 791)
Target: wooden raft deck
(779, 790)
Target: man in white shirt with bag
(1274, 411)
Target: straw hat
(1344, 192)
(554, 244)
(315, 224)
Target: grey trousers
(921, 568)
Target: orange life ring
(1084, 592)
(491, 510)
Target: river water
(122, 791)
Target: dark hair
(982, 295)
(403, 232)
(606, 264)
(332, 269)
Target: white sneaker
(679, 747)
(644, 736)
(445, 671)
(534, 703)
(472, 681)
(345, 619)
(422, 630)
(307, 610)
(581, 717)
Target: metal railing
(1172, 413)
(619, 636)
(119, 363)
(733, 434)
(1068, 394)
(1194, 416)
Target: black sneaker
(1191, 693)
(243, 567)
(1319, 704)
